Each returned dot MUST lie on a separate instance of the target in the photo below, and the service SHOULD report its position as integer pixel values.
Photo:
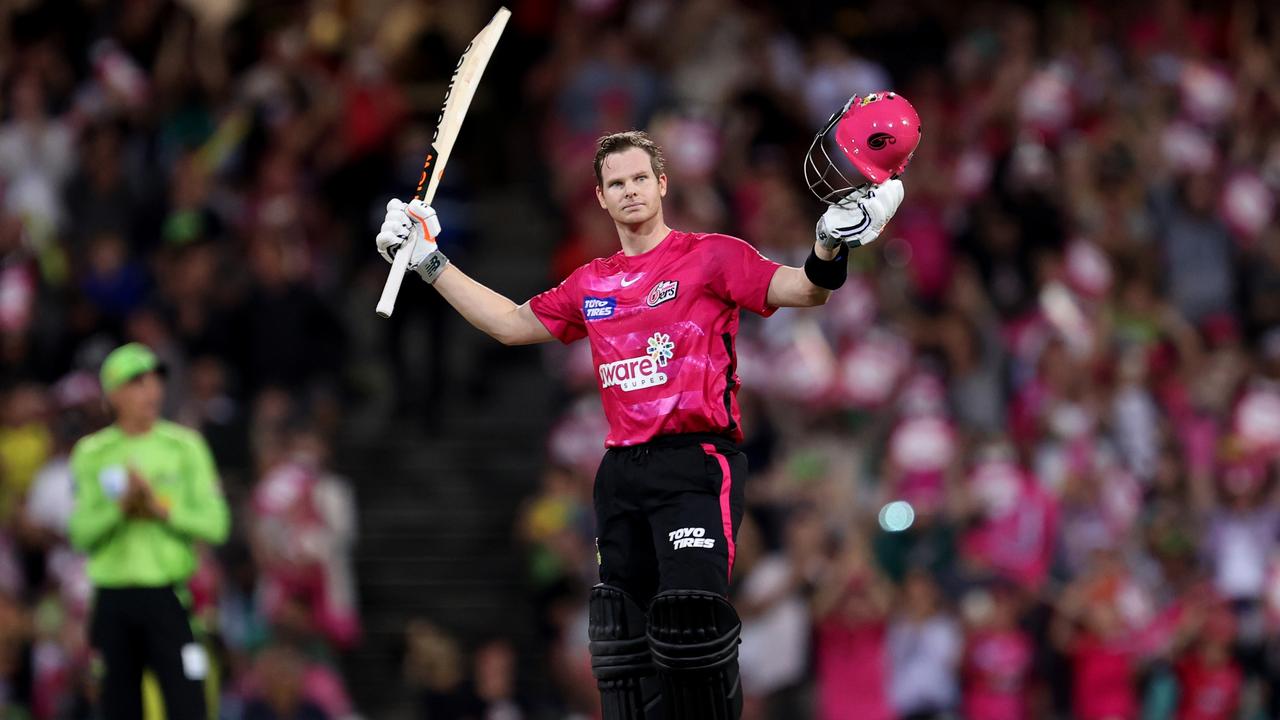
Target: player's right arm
(490, 312)
(95, 514)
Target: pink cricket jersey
(662, 326)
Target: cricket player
(661, 316)
(146, 490)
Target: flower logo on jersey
(662, 292)
(661, 349)
(643, 371)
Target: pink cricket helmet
(877, 133)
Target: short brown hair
(620, 141)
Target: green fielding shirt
(130, 552)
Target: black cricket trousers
(667, 514)
(137, 628)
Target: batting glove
(859, 218)
(404, 223)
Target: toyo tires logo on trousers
(640, 372)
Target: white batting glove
(404, 223)
(860, 217)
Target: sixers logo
(664, 291)
(877, 141)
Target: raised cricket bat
(456, 101)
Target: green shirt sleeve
(94, 515)
(200, 511)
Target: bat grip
(387, 303)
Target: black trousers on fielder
(667, 515)
(138, 628)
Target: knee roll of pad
(620, 657)
(694, 638)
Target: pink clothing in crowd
(1208, 692)
(996, 666)
(1016, 536)
(852, 671)
(1104, 687)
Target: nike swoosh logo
(629, 284)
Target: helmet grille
(824, 174)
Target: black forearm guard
(829, 274)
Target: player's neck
(135, 425)
(642, 237)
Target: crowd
(1025, 463)
(160, 182)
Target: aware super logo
(640, 372)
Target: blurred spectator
(36, 156)
(850, 608)
(1198, 252)
(435, 668)
(925, 648)
(302, 533)
(496, 682)
(1208, 675)
(287, 338)
(998, 656)
(1092, 633)
(1013, 522)
(280, 673)
(774, 653)
(25, 443)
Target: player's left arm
(199, 510)
(853, 222)
(790, 287)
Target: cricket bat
(462, 87)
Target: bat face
(468, 72)
(457, 99)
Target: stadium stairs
(437, 508)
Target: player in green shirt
(146, 491)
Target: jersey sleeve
(560, 309)
(740, 274)
(199, 510)
(94, 515)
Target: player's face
(139, 400)
(630, 192)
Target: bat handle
(387, 303)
